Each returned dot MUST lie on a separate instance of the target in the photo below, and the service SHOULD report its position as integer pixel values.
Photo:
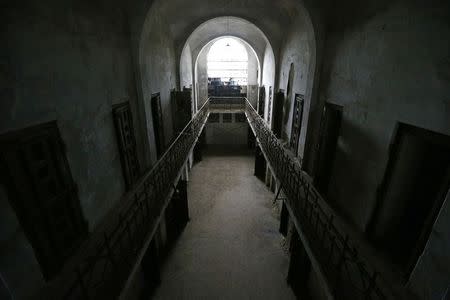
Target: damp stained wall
(68, 62)
(157, 64)
(295, 50)
(389, 64)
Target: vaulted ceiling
(272, 17)
(227, 26)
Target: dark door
(284, 220)
(171, 225)
(329, 133)
(299, 267)
(177, 213)
(181, 205)
(260, 164)
(297, 117)
(199, 146)
(151, 270)
(277, 123)
(35, 171)
(158, 124)
(126, 139)
(251, 139)
(416, 182)
(261, 101)
(182, 109)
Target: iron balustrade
(227, 103)
(106, 260)
(348, 274)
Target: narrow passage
(231, 248)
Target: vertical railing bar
(297, 190)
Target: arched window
(228, 59)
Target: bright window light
(227, 59)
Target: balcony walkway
(231, 248)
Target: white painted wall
(268, 75)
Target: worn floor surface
(231, 247)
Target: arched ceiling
(271, 16)
(227, 26)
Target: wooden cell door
(277, 124)
(158, 124)
(199, 146)
(251, 139)
(297, 118)
(299, 268)
(40, 188)
(150, 266)
(412, 193)
(329, 133)
(261, 101)
(284, 220)
(182, 109)
(260, 164)
(126, 140)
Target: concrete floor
(231, 248)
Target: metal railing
(105, 262)
(227, 103)
(348, 274)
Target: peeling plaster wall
(390, 64)
(68, 62)
(72, 62)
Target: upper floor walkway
(231, 248)
(104, 267)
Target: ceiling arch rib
(227, 26)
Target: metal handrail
(348, 272)
(227, 103)
(106, 260)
